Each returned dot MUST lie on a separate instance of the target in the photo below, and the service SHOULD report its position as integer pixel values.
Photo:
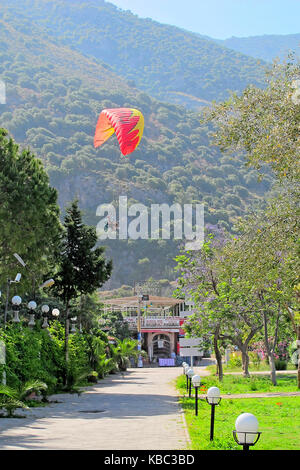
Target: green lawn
(235, 384)
(279, 422)
(278, 417)
(252, 368)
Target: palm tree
(9, 400)
(12, 398)
(105, 365)
(124, 350)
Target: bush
(36, 355)
(235, 362)
(93, 377)
(280, 365)
(255, 359)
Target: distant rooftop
(154, 300)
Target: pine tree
(82, 268)
(29, 214)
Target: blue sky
(221, 18)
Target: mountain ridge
(158, 58)
(267, 47)
(54, 97)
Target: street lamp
(45, 310)
(196, 379)
(31, 306)
(190, 374)
(213, 398)
(47, 283)
(55, 312)
(246, 430)
(9, 282)
(73, 327)
(18, 257)
(16, 301)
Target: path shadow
(96, 404)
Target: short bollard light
(213, 398)
(246, 430)
(186, 369)
(190, 374)
(196, 380)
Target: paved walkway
(138, 411)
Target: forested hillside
(267, 47)
(167, 62)
(54, 96)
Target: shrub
(93, 377)
(255, 359)
(280, 364)
(235, 362)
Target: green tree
(29, 213)
(116, 324)
(199, 280)
(264, 122)
(123, 351)
(82, 268)
(266, 256)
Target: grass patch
(237, 384)
(252, 368)
(279, 422)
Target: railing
(154, 322)
(186, 313)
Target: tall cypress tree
(82, 267)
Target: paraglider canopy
(127, 123)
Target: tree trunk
(297, 331)
(269, 352)
(218, 354)
(298, 350)
(273, 369)
(245, 362)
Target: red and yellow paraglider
(127, 123)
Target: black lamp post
(190, 374)
(196, 382)
(213, 398)
(246, 431)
